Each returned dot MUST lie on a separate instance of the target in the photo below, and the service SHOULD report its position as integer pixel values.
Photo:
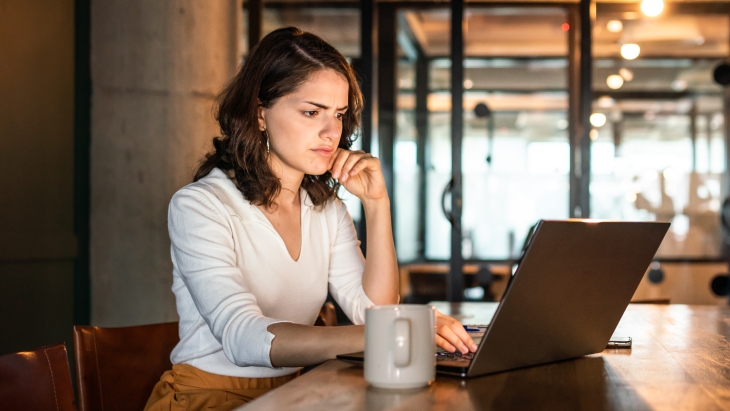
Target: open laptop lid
(569, 292)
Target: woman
(260, 236)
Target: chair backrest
(118, 367)
(659, 300)
(327, 316)
(37, 380)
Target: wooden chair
(37, 380)
(327, 316)
(660, 300)
(117, 368)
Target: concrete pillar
(156, 69)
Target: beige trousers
(186, 388)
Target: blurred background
(569, 109)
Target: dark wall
(37, 242)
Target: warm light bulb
(630, 51)
(679, 85)
(598, 119)
(614, 81)
(627, 74)
(468, 84)
(605, 102)
(615, 26)
(652, 8)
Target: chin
(316, 170)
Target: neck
(290, 181)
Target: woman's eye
(310, 113)
(340, 115)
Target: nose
(331, 129)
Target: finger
(444, 344)
(354, 159)
(333, 158)
(449, 335)
(337, 164)
(363, 164)
(464, 336)
(464, 339)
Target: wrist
(376, 204)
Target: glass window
(658, 150)
(515, 161)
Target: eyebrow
(323, 107)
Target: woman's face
(304, 127)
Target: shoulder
(335, 208)
(215, 192)
(337, 215)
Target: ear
(260, 116)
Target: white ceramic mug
(400, 345)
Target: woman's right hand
(360, 173)
(451, 335)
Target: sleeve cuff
(364, 302)
(269, 337)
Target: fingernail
(344, 177)
(464, 349)
(474, 347)
(334, 175)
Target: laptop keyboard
(454, 356)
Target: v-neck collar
(305, 205)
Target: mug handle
(402, 342)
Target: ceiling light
(627, 74)
(593, 134)
(652, 8)
(598, 119)
(615, 26)
(679, 85)
(605, 102)
(562, 124)
(630, 51)
(614, 81)
(468, 84)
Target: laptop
(568, 294)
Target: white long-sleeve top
(233, 276)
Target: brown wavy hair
(276, 66)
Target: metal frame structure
(365, 68)
(82, 160)
(455, 283)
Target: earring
(266, 136)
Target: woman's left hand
(451, 335)
(360, 174)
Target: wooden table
(680, 360)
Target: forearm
(380, 278)
(296, 345)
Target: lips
(324, 151)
